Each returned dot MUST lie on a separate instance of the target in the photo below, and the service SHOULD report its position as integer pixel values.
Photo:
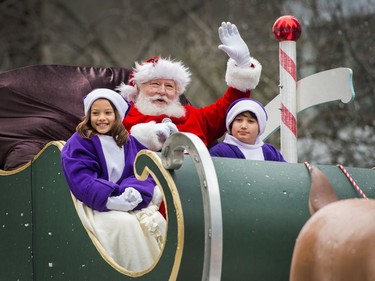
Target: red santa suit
(207, 122)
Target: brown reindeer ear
(321, 191)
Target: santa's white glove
(172, 127)
(127, 201)
(233, 44)
(164, 130)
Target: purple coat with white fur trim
(86, 172)
(222, 149)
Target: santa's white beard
(173, 108)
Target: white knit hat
(152, 69)
(122, 106)
(242, 105)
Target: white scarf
(250, 151)
(114, 157)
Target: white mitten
(233, 44)
(172, 127)
(145, 133)
(153, 135)
(127, 201)
(164, 130)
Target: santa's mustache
(159, 97)
(172, 107)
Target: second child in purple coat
(245, 122)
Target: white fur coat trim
(145, 134)
(241, 78)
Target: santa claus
(155, 85)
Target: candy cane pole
(287, 30)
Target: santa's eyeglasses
(157, 85)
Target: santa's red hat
(152, 69)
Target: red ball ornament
(287, 28)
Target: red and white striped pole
(287, 30)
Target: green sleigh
(228, 219)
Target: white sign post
(287, 30)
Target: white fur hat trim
(127, 91)
(156, 68)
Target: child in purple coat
(245, 122)
(98, 159)
(119, 210)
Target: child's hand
(127, 201)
